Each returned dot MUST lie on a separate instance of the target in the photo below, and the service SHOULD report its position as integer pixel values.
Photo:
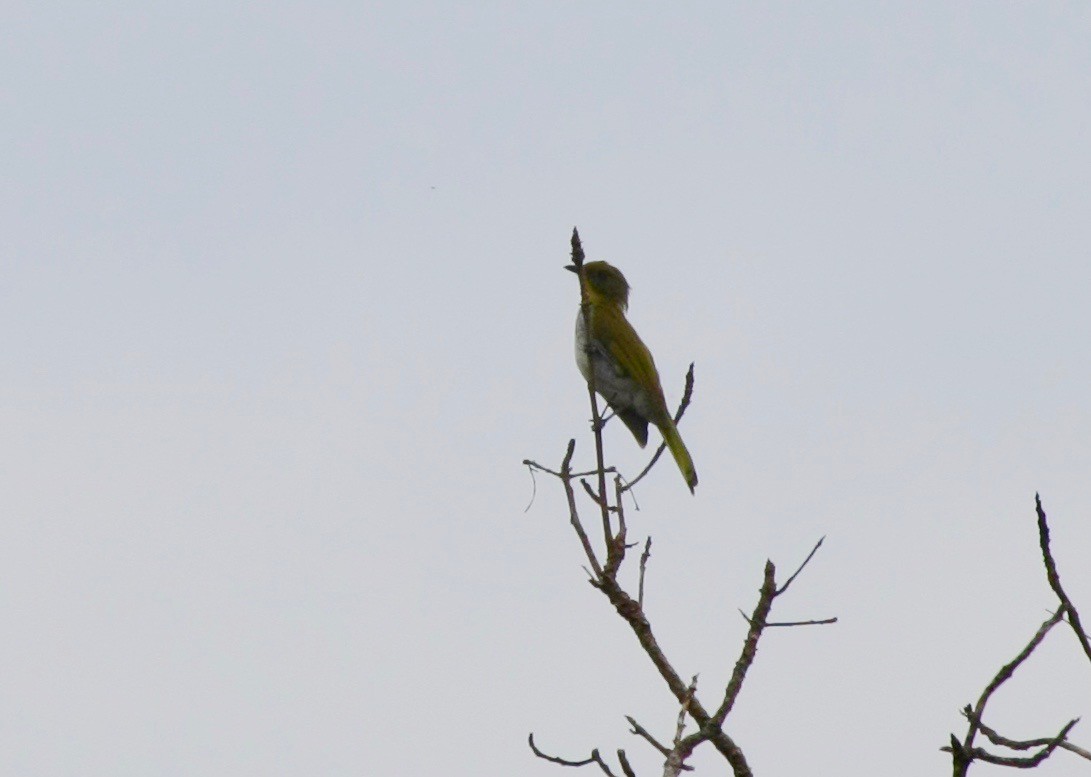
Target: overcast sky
(282, 311)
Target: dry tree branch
(533, 465)
(630, 610)
(640, 731)
(1025, 744)
(594, 758)
(1055, 579)
(806, 561)
(624, 761)
(1028, 762)
(573, 511)
(964, 753)
(812, 622)
(750, 644)
(1002, 676)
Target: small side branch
(647, 554)
(965, 753)
(676, 758)
(573, 511)
(813, 622)
(1024, 762)
(1026, 744)
(640, 731)
(806, 561)
(594, 758)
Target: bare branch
(1025, 744)
(795, 574)
(1029, 762)
(594, 758)
(632, 613)
(677, 757)
(770, 624)
(573, 511)
(820, 622)
(750, 646)
(591, 493)
(624, 761)
(639, 730)
(647, 554)
(1008, 669)
(964, 753)
(1055, 580)
(530, 465)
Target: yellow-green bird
(624, 371)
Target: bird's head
(605, 283)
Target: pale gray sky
(283, 310)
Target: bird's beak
(572, 268)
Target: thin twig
(819, 622)
(640, 731)
(1009, 668)
(1025, 744)
(591, 493)
(573, 511)
(676, 759)
(795, 574)
(533, 465)
(594, 758)
(1029, 762)
(533, 484)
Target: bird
(623, 368)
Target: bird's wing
(610, 327)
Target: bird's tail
(681, 455)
